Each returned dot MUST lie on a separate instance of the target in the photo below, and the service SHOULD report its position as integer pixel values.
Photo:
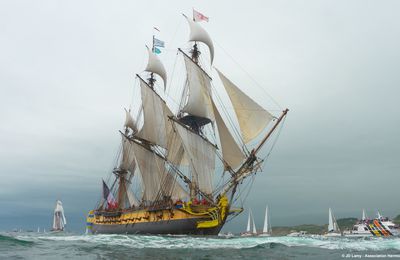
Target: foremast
(251, 163)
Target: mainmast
(152, 80)
(121, 176)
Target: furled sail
(154, 128)
(129, 122)
(197, 33)
(199, 84)
(154, 65)
(252, 117)
(231, 152)
(201, 155)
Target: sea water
(80, 246)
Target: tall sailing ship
(59, 220)
(166, 175)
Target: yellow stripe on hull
(210, 217)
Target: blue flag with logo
(156, 50)
(159, 43)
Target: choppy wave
(190, 242)
(74, 246)
(7, 240)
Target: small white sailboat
(364, 215)
(59, 220)
(333, 228)
(250, 221)
(267, 225)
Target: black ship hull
(171, 227)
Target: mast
(152, 80)
(271, 131)
(121, 176)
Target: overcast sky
(67, 70)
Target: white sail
(364, 216)
(332, 225)
(151, 170)
(252, 117)
(154, 128)
(199, 84)
(201, 155)
(254, 225)
(129, 122)
(131, 197)
(59, 220)
(154, 176)
(266, 228)
(127, 161)
(176, 153)
(248, 222)
(198, 34)
(173, 187)
(231, 152)
(154, 65)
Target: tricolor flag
(158, 42)
(107, 195)
(198, 17)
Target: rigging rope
(275, 139)
(249, 75)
